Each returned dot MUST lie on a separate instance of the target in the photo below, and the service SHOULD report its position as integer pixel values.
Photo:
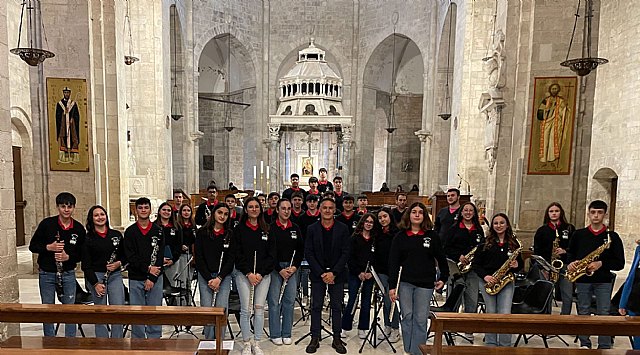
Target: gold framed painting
(552, 121)
(306, 166)
(68, 127)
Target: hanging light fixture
(228, 119)
(30, 55)
(583, 66)
(445, 108)
(176, 107)
(391, 123)
(129, 58)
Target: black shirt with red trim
(340, 199)
(208, 248)
(586, 240)
(361, 252)
(287, 239)
(288, 192)
(249, 239)
(137, 244)
(382, 247)
(323, 186)
(307, 219)
(172, 239)
(350, 221)
(73, 237)
(461, 240)
(96, 252)
(201, 214)
(488, 261)
(546, 235)
(417, 254)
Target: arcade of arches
(223, 86)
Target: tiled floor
(29, 294)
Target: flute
(284, 284)
(215, 293)
(355, 304)
(393, 306)
(116, 241)
(253, 288)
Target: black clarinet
(59, 271)
(116, 241)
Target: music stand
(183, 329)
(378, 292)
(329, 334)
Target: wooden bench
(483, 350)
(525, 324)
(81, 314)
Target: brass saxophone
(465, 268)
(582, 264)
(503, 275)
(556, 263)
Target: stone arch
(226, 72)
(605, 187)
(379, 89)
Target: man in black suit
(327, 250)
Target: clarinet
(154, 252)
(284, 284)
(253, 288)
(355, 304)
(116, 241)
(393, 306)
(59, 271)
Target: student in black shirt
(214, 262)
(102, 252)
(289, 255)
(312, 215)
(416, 249)
(234, 211)
(187, 228)
(295, 187)
(172, 241)
(389, 229)
(600, 283)
(349, 217)
(203, 212)
(58, 242)
(338, 192)
(401, 206)
(556, 227)
(448, 216)
(272, 201)
(255, 254)
(297, 199)
(362, 202)
(324, 185)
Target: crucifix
(309, 140)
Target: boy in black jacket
(144, 249)
(58, 243)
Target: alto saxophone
(556, 263)
(582, 264)
(465, 268)
(503, 275)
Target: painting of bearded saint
(552, 125)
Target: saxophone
(556, 263)
(582, 264)
(503, 275)
(465, 268)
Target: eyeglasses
(368, 222)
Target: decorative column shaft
(273, 167)
(426, 138)
(347, 136)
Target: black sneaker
(339, 346)
(313, 345)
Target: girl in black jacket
(383, 241)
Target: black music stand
(378, 294)
(184, 329)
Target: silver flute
(116, 241)
(215, 293)
(59, 271)
(393, 306)
(284, 283)
(355, 304)
(253, 288)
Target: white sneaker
(394, 336)
(362, 333)
(256, 349)
(277, 341)
(247, 348)
(344, 334)
(387, 331)
(287, 341)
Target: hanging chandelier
(445, 109)
(583, 66)
(391, 124)
(228, 118)
(31, 55)
(176, 107)
(129, 58)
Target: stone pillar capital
(195, 136)
(274, 132)
(423, 135)
(347, 133)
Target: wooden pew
(81, 314)
(379, 199)
(525, 324)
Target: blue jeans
(566, 293)
(471, 282)
(304, 280)
(386, 308)
(206, 300)
(414, 305)
(115, 296)
(636, 339)
(602, 292)
(281, 328)
(259, 299)
(47, 285)
(139, 297)
(498, 304)
(365, 303)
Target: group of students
(263, 251)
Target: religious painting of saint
(68, 129)
(554, 102)
(307, 166)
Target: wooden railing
(81, 314)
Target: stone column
(426, 138)
(273, 165)
(347, 135)
(8, 256)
